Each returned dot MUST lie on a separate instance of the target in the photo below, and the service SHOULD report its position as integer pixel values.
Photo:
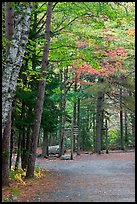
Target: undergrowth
(17, 177)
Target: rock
(53, 149)
(65, 157)
(86, 152)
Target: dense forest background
(68, 79)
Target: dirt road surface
(91, 178)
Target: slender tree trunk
(11, 145)
(39, 107)
(106, 126)
(126, 131)
(14, 60)
(121, 122)
(133, 129)
(72, 140)
(94, 131)
(102, 128)
(45, 144)
(78, 122)
(74, 116)
(61, 116)
(18, 152)
(28, 142)
(63, 107)
(99, 120)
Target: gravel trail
(92, 178)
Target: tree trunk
(63, 105)
(133, 129)
(94, 131)
(11, 144)
(45, 144)
(74, 116)
(78, 122)
(72, 139)
(61, 116)
(23, 148)
(9, 28)
(106, 126)
(14, 60)
(126, 131)
(6, 153)
(102, 128)
(18, 152)
(99, 120)
(121, 122)
(39, 107)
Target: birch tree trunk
(14, 60)
(9, 29)
(39, 106)
(6, 155)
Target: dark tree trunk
(106, 126)
(102, 128)
(99, 121)
(63, 106)
(126, 130)
(45, 144)
(28, 142)
(94, 130)
(133, 129)
(23, 149)
(39, 107)
(78, 124)
(74, 116)
(121, 123)
(18, 152)
(11, 145)
(61, 116)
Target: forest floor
(87, 178)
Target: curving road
(92, 178)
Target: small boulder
(65, 157)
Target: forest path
(91, 178)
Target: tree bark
(45, 144)
(133, 129)
(39, 107)
(99, 122)
(121, 122)
(6, 154)
(14, 60)
(126, 129)
(9, 29)
(63, 106)
(106, 126)
(94, 131)
(18, 152)
(61, 116)
(74, 116)
(78, 122)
